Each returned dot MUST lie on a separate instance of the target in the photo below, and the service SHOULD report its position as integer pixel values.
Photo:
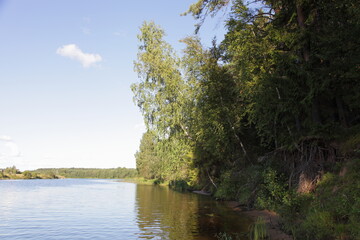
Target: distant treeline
(14, 173)
(89, 172)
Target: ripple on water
(104, 209)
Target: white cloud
(10, 153)
(12, 149)
(86, 31)
(8, 148)
(5, 138)
(74, 52)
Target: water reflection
(166, 214)
(104, 209)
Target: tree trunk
(306, 55)
(341, 111)
(315, 111)
(301, 22)
(298, 123)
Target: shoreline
(272, 220)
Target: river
(108, 209)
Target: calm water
(106, 209)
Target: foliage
(334, 213)
(248, 117)
(179, 185)
(351, 144)
(10, 173)
(272, 191)
(241, 185)
(202, 8)
(27, 174)
(227, 188)
(164, 99)
(11, 170)
(289, 86)
(14, 173)
(160, 93)
(147, 159)
(331, 212)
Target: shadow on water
(166, 214)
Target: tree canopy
(262, 115)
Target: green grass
(258, 230)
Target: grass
(258, 230)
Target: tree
(162, 96)
(27, 174)
(147, 161)
(294, 63)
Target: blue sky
(66, 67)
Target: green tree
(163, 98)
(295, 64)
(147, 162)
(11, 170)
(27, 174)
(160, 93)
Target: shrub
(240, 185)
(27, 174)
(179, 185)
(335, 211)
(272, 191)
(227, 189)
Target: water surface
(107, 209)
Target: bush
(240, 185)
(335, 211)
(227, 188)
(179, 185)
(27, 174)
(293, 209)
(272, 191)
(11, 170)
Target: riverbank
(313, 215)
(271, 219)
(22, 177)
(12, 173)
(144, 181)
